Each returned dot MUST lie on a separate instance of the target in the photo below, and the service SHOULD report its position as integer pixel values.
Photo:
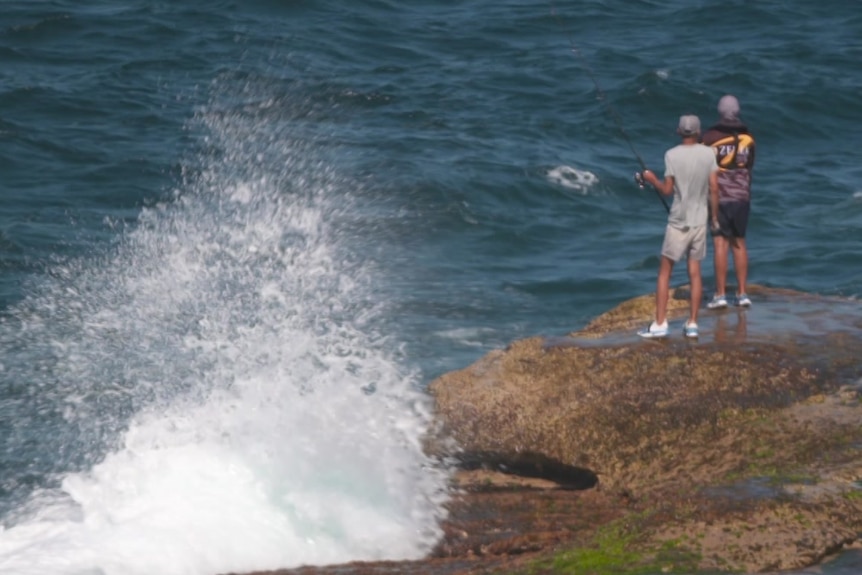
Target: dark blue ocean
(238, 239)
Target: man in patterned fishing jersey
(734, 149)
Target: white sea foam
(572, 178)
(474, 337)
(224, 368)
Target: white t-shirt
(690, 165)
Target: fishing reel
(639, 180)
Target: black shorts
(733, 219)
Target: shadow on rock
(533, 465)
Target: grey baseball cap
(728, 107)
(689, 125)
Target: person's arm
(665, 187)
(713, 198)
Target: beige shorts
(690, 242)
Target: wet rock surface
(739, 451)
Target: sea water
(237, 239)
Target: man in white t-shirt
(691, 175)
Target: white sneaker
(690, 329)
(718, 302)
(654, 330)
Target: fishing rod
(611, 110)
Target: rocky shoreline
(598, 453)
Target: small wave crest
(573, 178)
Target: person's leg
(696, 283)
(662, 289)
(737, 214)
(720, 244)
(740, 264)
